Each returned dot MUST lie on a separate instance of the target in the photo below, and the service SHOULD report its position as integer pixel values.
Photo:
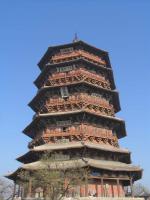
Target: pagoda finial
(75, 38)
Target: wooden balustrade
(82, 132)
(75, 77)
(83, 129)
(81, 101)
(85, 132)
(78, 72)
(79, 98)
(61, 57)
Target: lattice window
(64, 123)
(96, 95)
(66, 50)
(62, 140)
(61, 156)
(66, 68)
(64, 92)
(64, 129)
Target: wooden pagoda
(75, 110)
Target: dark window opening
(64, 92)
(64, 129)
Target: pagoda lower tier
(108, 175)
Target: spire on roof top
(75, 38)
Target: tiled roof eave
(99, 164)
(72, 145)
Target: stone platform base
(104, 198)
(88, 198)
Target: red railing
(83, 101)
(76, 76)
(77, 54)
(74, 99)
(81, 130)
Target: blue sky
(28, 27)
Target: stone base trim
(104, 198)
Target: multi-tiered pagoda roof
(75, 109)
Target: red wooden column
(112, 190)
(82, 190)
(102, 187)
(97, 189)
(118, 187)
(86, 184)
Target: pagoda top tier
(75, 49)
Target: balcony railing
(72, 133)
(61, 57)
(83, 132)
(77, 102)
(76, 76)
(81, 97)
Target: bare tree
(139, 189)
(56, 179)
(6, 189)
